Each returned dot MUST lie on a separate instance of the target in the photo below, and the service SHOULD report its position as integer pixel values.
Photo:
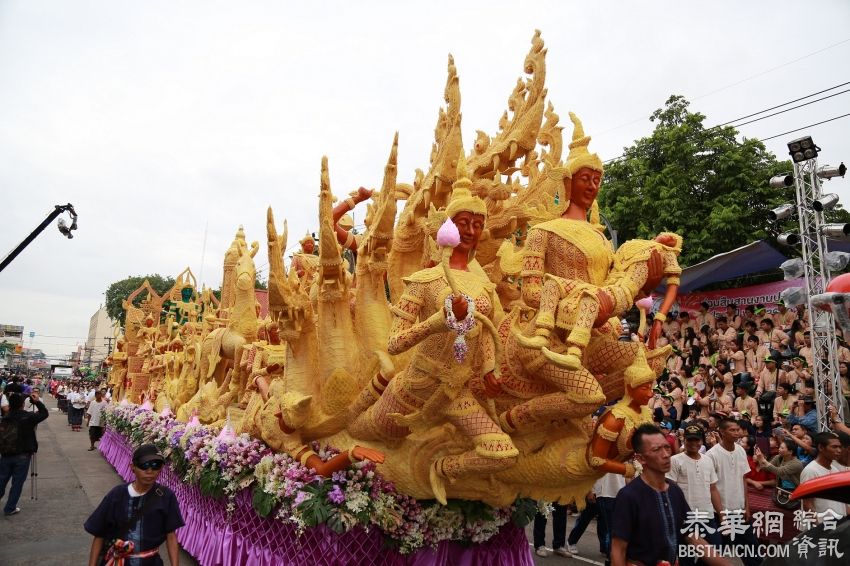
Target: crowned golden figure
(450, 347)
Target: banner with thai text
(766, 294)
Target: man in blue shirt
(649, 513)
(805, 413)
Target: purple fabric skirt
(214, 538)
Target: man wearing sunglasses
(133, 520)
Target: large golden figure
(435, 385)
(416, 366)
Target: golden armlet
(403, 314)
(607, 434)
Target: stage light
(830, 171)
(780, 212)
(781, 181)
(836, 231)
(802, 149)
(788, 239)
(825, 202)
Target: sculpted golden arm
(406, 332)
(533, 267)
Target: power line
(718, 126)
(786, 103)
(804, 127)
(792, 108)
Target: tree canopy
(702, 183)
(120, 290)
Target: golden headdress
(307, 238)
(579, 155)
(462, 199)
(639, 371)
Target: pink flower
(448, 234)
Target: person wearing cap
(783, 403)
(133, 520)
(695, 474)
(829, 450)
(769, 377)
(805, 413)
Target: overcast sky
(158, 119)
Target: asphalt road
(71, 482)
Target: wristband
(660, 316)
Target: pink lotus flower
(645, 304)
(448, 234)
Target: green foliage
(212, 483)
(262, 502)
(472, 511)
(117, 292)
(316, 509)
(524, 511)
(260, 283)
(702, 183)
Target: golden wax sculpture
(469, 345)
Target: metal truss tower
(816, 274)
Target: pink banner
(766, 294)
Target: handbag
(108, 551)
(782, 498)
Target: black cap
(146, 453)
(694, 431)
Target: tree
(260, 283)
(702, 183)
(120, 290)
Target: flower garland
(292, 493)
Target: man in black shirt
(134, 519)
(15, 463)
(650, 512)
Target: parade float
(415, 390)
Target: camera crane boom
(65, 229)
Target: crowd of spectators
(738, 389)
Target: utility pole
(108, 344)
